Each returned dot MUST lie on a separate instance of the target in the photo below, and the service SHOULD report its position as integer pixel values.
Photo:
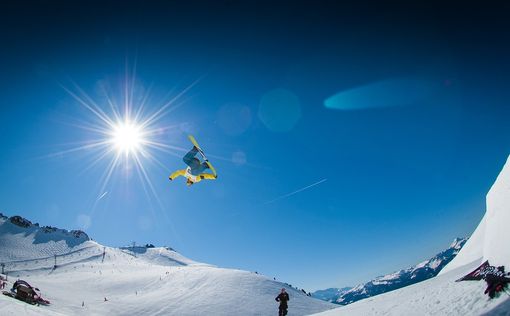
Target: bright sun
(127, 137)
(126, 132)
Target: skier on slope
(283, 298)
(195, 170)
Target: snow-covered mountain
(22, 240)
(420, 272)
(331, 294)
(441, 295)
(81, 277)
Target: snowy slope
(441, 295)
(134, 280)
(161, 256)
(36, 242)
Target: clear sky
(350, 141)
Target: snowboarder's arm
(177, 173)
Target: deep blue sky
(403, 179)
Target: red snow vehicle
(23, 291)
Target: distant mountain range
(420, 272)
(330, 294)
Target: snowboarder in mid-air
(283, 298)
(195, 170)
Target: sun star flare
(125, 134)
(127, 137)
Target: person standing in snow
(283, 298)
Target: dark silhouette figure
(283, 298)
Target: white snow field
(135, 281)
(442, 295)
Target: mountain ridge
(392, 281)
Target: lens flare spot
(279, 110)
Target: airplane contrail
(295, 192)
(102, 196)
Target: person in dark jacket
(283, 298)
